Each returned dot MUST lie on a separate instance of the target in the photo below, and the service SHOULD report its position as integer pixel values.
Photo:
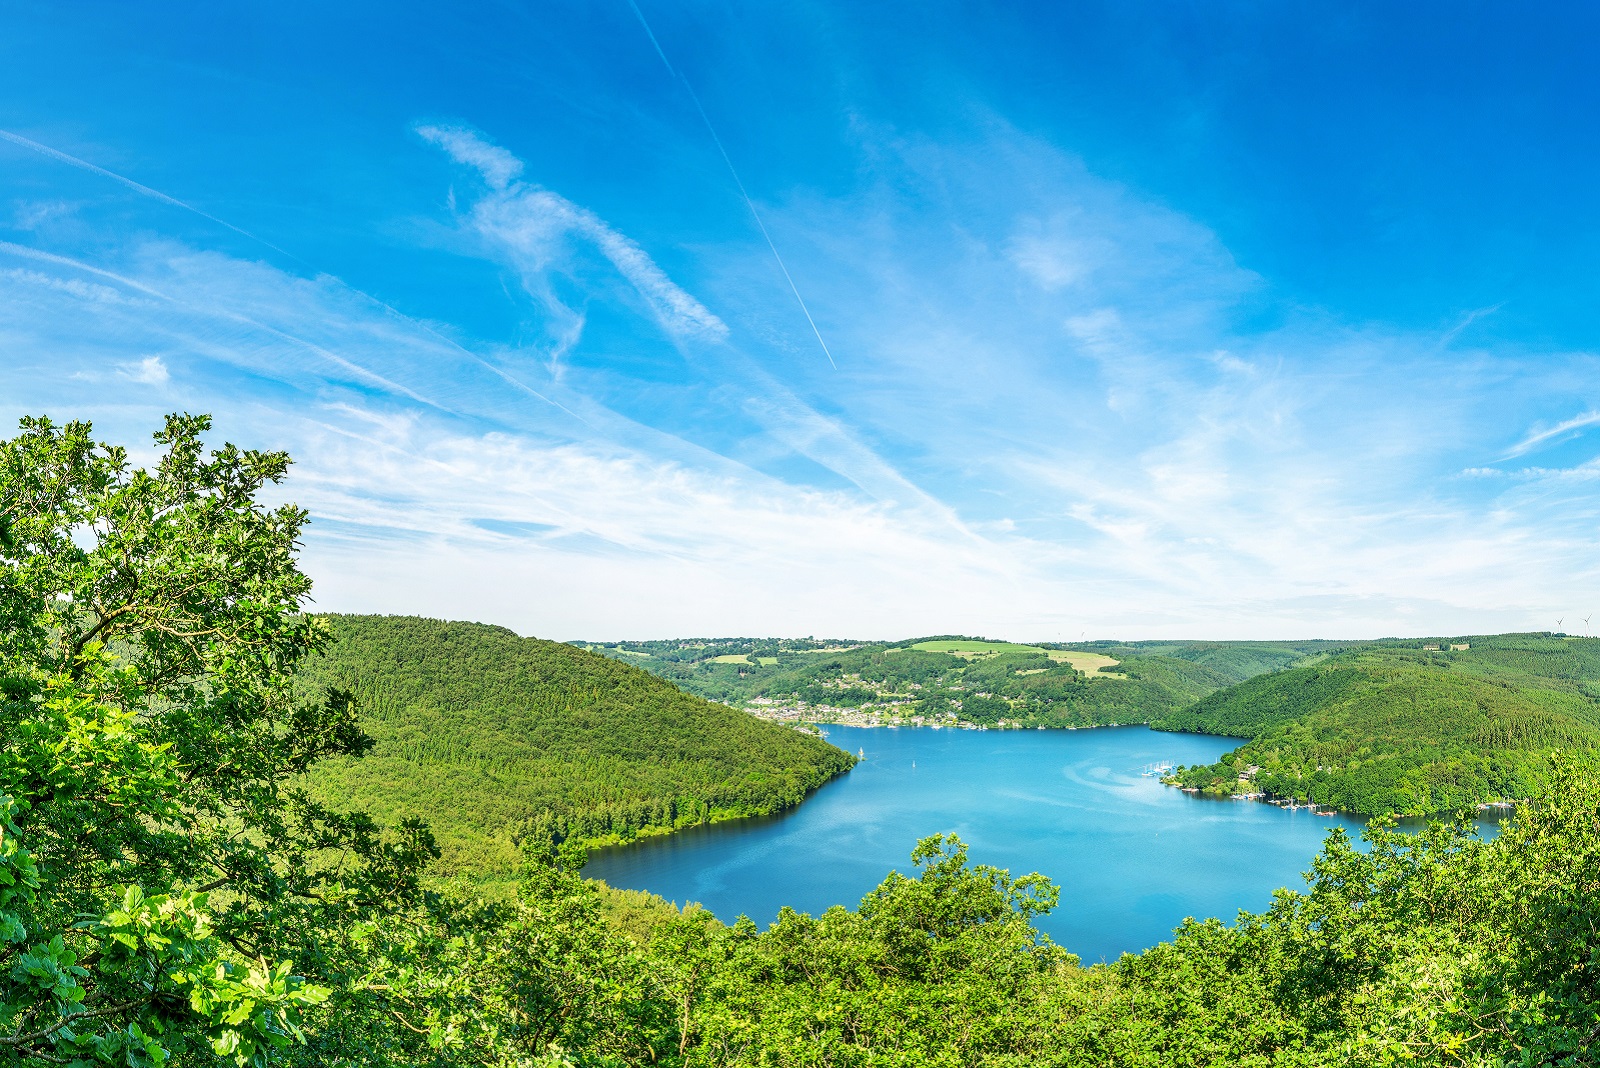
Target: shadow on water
(652, 850)
(1132, 857)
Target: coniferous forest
(184, 881)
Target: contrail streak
(357, 369)
(83, 164)
(156, 194)
(754, 214)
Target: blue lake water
(1132, 857)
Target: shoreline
(1483, 811)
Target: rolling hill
(1234, 661)
(486, 735)
(960, 680)
(1405, 729)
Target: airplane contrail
(734, 171)
(83, 164)
(23, 251)
(156, 194)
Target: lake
(1132, 857)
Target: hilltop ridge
(1414, 726)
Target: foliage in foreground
(152, 873)
(1431, 949)
(167, 898)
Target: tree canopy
(151, 629)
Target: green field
(944, 679)
(1362, 726)
(973, 647)
(1094, 665)
(1091, 664)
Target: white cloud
(77, 287)
(534, 226)
(1538, 436)
(1052, 264)
(498, 167)
(32, 214)
(1050, 423)
(150, 370)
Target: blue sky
(1118, 320)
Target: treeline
(1404, 729)
(1031, 690)
(486, 734)
(693, 650)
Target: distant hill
(485, 735)
(958, 679)
(1235, 661)
(1367, 727)
(1400, 728)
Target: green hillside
(1235, 661)
(487, 735)
(1402, 729)
(1365, 727)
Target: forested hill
(1400, 728)
(483, 734)
(1234, 661)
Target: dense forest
(491, 737)
(1400, 728)
(1234, 661)
(1429, 949)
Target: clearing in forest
(972, 649)
(1088, 663)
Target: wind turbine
(1558, 626)
(1586, 625)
